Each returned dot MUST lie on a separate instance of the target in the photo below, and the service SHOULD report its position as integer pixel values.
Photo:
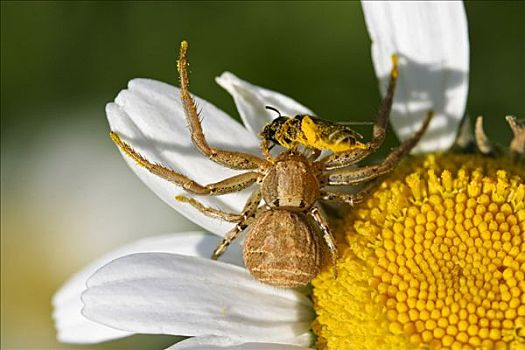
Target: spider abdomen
(282, 249)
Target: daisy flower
(433, 259)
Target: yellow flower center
(435, 258)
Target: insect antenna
(273, 109)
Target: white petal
(72, 327)
(431, 39)
(251, 101)
(181, 295)
(212, 342)
(150, 117)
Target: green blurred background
(67, 196)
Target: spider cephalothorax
(282, 246)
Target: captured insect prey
(310, 132)
(315, 133)
(287, 232)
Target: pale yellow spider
(282, 247)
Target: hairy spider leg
(230, 159)
(344, 159)
(360, 175)
(316, 214)
(232, 184)
(265, 148)
(351, 199)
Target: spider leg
(343, 159)
(351, 199)
(248, 214)
(265, 148)
(209, 211)
(316, 214)
(360, 175)
(232, 184)
(230, 159)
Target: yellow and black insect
(315, 133)
(311, 132)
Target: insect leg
(209, 211)
(343, 159)
(248, 213)
(360, 175)
(315, 213)
(231, 184)
(230, 159)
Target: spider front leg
(360, 175)
(248, 213)
(265, 149)
(343, 159)
(230, 159)
(315, 213)
(232, 184)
